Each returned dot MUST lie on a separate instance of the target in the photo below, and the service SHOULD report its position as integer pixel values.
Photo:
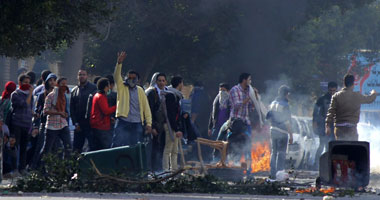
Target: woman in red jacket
(101, 116)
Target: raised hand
(121, 56)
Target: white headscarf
(153, 82)
(259, 106)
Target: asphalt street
(92, 196)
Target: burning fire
(313, 189)
(260, 155)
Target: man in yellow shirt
(133, 109)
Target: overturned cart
(345, 164)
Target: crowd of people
(115, 111)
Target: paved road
(83, 196)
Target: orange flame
(260, 155)
(329, 190)
(313, 189)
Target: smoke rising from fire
(371, 134)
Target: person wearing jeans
(78, 106)
(132, 108)
(56, 111)
(319, 117)
(22, 105)
(100, 119)
(39, 121)
(280, 118)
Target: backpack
(8, 117)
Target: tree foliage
(29, 27)
(320, 48)
(176, 36)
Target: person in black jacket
(319, 116)
(78, 105)
(172, 126)
(39, 121)
(158, 84)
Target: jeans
(158, 144)
(21, 135)
(80, 137)
(170, 151)
(127, 133)
(102, 139)
(41, 137)
(51, 137)
(278, 155)
(323, 146)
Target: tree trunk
(148, 71)
(72, 61)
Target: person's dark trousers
(221, 136)
(158, 143)
(147, 140)
(102, 139)
(278, 155)
(21, 135)
(39, 147)
(31, 149)
(323, 146)
(51, 138)
(9, 160)
(80, 137)
(127, 133)
(214, 136)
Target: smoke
(371, 134)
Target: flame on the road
(260, 155)
(313, 189)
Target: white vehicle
(301, 154)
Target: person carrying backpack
(172, 127)
(5, 104)
(5, 108)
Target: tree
(177, 36)
(320, 49)
(28, 28)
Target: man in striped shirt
(240, 101)
(241, 105)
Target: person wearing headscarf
(21, 121)
(153, 82)
(5, 104)
(220, 111)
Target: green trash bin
(130, 159)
